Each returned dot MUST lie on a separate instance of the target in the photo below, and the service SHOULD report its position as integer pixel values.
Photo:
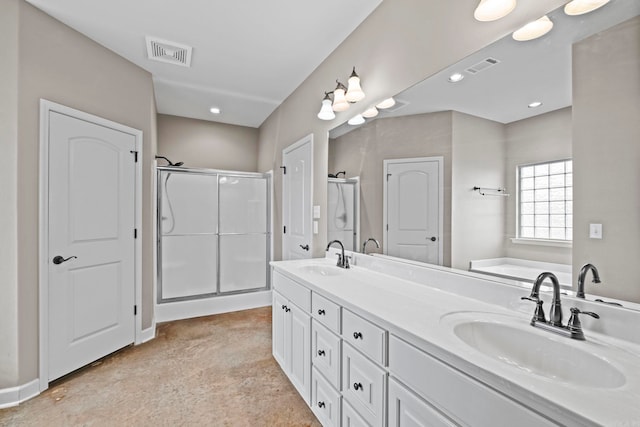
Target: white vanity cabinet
(292, 332)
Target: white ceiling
(538, 70)
(248, 55)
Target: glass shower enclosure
(343, 196)
(214, 234)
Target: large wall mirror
(485, 126)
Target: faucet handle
(339, 264)
(574, 324)
(538, 315)
(346, 261)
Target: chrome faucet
(573, 329)
(364, 245)
(582, 275)
(343, 261)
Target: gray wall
(56, 63)
(539, 139)
(204, 144)
(9, 194)
(361, 153)
(478, 159)
(606, 152)
(399, 44)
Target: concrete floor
(210, 371)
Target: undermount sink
(530, 351)
(322, 270)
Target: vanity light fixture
(370, 112)
(579, 7)
(533, 30)
(455, 77)
(535, 104)
(354, 92)
(214, 110)
(340, 102)
(356, 120)
(490, 10)
(387, 103)
(326, 112)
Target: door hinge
(135, 155)
(285, 230)
(135, 233)
(135, 310)
(387, 227)
(388, 175)
(284, 168)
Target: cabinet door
(300, 373)
(279, 329)
(408, 410)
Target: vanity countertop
(425, 317)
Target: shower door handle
(305, 247)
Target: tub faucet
(582, 275)
(364, 245)
(343, 261)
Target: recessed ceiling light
(387, 103)
(535, 104)
(370, 112)
(214, 110)
(490, 10)
(533, 30)
(455, 77)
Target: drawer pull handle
(357, 386)
(284, 307)
(320, 352)
(320, 404)
(357, 335)
(321, 312)
(287, 309)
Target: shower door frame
(269, 233)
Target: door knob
(433, 238)
(59, 260)
(305, 247)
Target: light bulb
(340, 102)
(456, 77)
(354, 93)
(356, 120)
(490, 10)
(387, 103)
(533, 30)
(579, 7)
(370, 112)
(326, 112)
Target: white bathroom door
(91, 249)
(297, 199)
(413, 209)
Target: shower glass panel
(342, 211)
(213, 233)
(243, 232)
(188, 234)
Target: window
(545, 200)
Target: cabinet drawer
(325, 401)
(350, 417)
(363, 385)
(325, 353)
(463, 399)
(294, 292)
(365, 336)
(326, 312)
(407, 409)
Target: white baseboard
(147, 334)
(205, 307)
(15, 395)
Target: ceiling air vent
(169, 52)
(482, 65)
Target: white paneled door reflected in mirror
(518, 103)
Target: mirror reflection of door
(413, 191)
(296, 199)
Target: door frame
(46, 107)
(305, 140)
(440, 160)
